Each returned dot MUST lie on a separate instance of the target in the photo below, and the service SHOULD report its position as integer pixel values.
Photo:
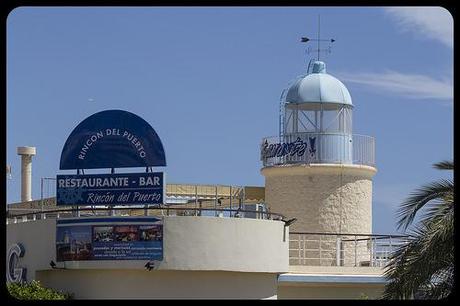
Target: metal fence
(18, 215)
(336, 148)
(353, 250)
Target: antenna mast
(319, 26)
(318, 40)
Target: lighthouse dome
(318, 87)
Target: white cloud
(414, 86)
(430, 22)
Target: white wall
(189, 243)
(330, 291)
(132, 284)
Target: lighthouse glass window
(337, 120)
(318, 119)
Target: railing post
(215, 202)
(230, 201)
(298, 241)
(304, 252)
(196, 200)
(356, 249)
(41, 193)
(338, 248)
(320, 250)
(371, 259)
(76, 211)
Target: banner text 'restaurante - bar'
(107, 182)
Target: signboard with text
(112, 139)
(109, 239)
(110, 189)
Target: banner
(109, 239)
(110, 189)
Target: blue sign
(109, 239)
(295, 148)
(110, 189)
(112, 139)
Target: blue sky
(209, 79)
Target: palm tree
(424, 267)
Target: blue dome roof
(318, 86)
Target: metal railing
(336, 148)
(15, 216)
(353, 250)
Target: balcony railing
(18, 215)
(353, 250)
(335, 148)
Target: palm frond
(418, 199)
(444, 165)
(427, 255)
(423, 268)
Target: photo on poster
(73, 243)
(126, 233)
(103, 234)
(150, 233)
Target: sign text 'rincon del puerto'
(111, 139)
(110, 189)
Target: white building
(306, 234)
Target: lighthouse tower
(316, 169)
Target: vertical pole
(77, 213)
(111, 211)
(304, 252)
(196, 200)
(215, 202)
(371, 260)
(41, 193)
(390, 249)
(338, 250)
(356, 249)
(230, 201)
(320, 250)
(319, 24)
(298, 240)
(146, 212)
(244, 198)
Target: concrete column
(26, 172)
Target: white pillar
(26, 172)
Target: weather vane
(318, 40)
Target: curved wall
(325, 198)
(189, 243)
